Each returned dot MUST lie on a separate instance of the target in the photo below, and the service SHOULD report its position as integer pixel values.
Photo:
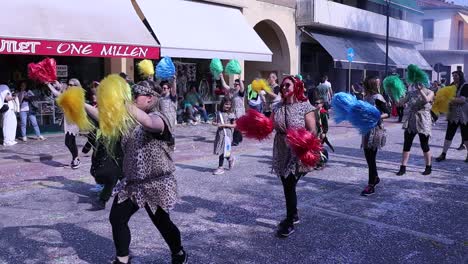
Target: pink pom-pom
(255, 125)
(44, 71)
(305, 145)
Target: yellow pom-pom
(146, 68)
(260, 84)
(443, 98)
(115, 121)
(72, 102)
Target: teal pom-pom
(233, 67)
(342, 104)
(216, 67)
(394, 87)
(165, 69)
(416, 75)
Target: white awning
(110, 28)
(464, 17)
(188, 29)
(404, 54)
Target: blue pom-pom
(342, 104)
(364, 116)
(165, 69)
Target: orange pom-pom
(255, 125)
(305, 145)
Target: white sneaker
(24, 139)
(8, 144)
(40, 138)
(218, 171)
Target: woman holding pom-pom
(293, 112)
(148, 170)
(374, 139)
(417, 120)
(457, 115)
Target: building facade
(328, 29)
(445, 37)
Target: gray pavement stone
(232, 218)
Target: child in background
(322, 128)
(225, 121)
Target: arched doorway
(275, 39)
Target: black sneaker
(180, 259)
(117, 261)
(75, 164)
(402, 170)
(369, 190)
(428, 170)
(285, 229)
(295, 219)
(461, 147)
(442, 157)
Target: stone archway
(275, 39)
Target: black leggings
(221, 160)
(452, 129)
(400, 111)
(371, 158)
(70, 142)
(408, 142)
(120, 215)
(289, 187)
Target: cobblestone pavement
(231, 218)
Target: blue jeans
(202, 112)
(24, 120)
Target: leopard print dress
(285, 163)
(148, 168)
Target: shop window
(428, 28)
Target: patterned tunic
(376, 138)
(228, 118)
(458, 113)
(417, 118)
(287, 116)
(148, 169)
(168, 108)
(70, 128)
(238, 103)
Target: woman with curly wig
(293, 111)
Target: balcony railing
(324, 13)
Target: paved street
(231, 218)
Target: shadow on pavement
(41, 243)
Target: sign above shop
(81, 49)
(62, 71)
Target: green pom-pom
(233, 67)
(416, 75)
(216, 67)
(299, 77)
(394, 87)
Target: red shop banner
(81, 49)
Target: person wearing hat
(148, 178)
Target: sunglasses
(286, 85)
(166, 88)
(317, 103)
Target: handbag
(4, 108)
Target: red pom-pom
(305, 145)
(255, 125)
(44, 71)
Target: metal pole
(349, 81)
(386, 40)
